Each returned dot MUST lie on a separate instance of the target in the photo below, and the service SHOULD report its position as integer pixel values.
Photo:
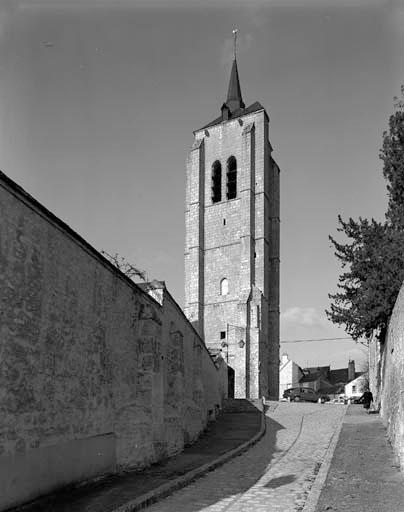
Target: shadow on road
(240, 474)
(280, 481)
(231, 430)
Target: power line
(316, 339)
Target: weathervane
(235, 42)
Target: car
(305, 395)
(355, 400)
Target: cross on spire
(234, 100)
(235, 42)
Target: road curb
(164, 490)
(316, 488)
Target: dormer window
(231, 178)
(216, 182)
(225, 112)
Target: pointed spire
(234, 99)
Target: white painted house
(289, 374)
(356, 387)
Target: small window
(231, 178)
(224, 287)
(222, 335)
(216, 182)
(224, 222)
(353, 389)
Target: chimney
(351, 370)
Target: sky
(99, 100)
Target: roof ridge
(254, 107)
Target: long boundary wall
(386, 377)
(96, 374)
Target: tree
(124, 266)
(373, 258)
(392, 155)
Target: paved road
(276, 474)
(364, 475)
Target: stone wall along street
(96, 373)
(386, 377)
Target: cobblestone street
(276, 474)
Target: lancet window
(216, 182)
(231, 178)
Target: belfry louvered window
(231, 178)
(216, 182)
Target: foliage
(124, 266)
(392, 155)
(373, 264)
(373, 259)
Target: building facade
(357, 387)
(232, 242)
(290, 374)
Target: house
(327, 381)
(357, 387)
(289, 374)
(315, 378)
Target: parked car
(343, 399)
(355, 399)
(305, 394)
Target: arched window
(224, 286)
(216, 182)
(231, 178)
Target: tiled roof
(340, 375)
(315, 369)
(311, 377)
(254, 107)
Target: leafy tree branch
(373, 258)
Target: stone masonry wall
(96, 375)
(237, 240)
(386, 377)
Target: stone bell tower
(232, 242)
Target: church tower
(232, 242)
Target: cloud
(307, 317)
